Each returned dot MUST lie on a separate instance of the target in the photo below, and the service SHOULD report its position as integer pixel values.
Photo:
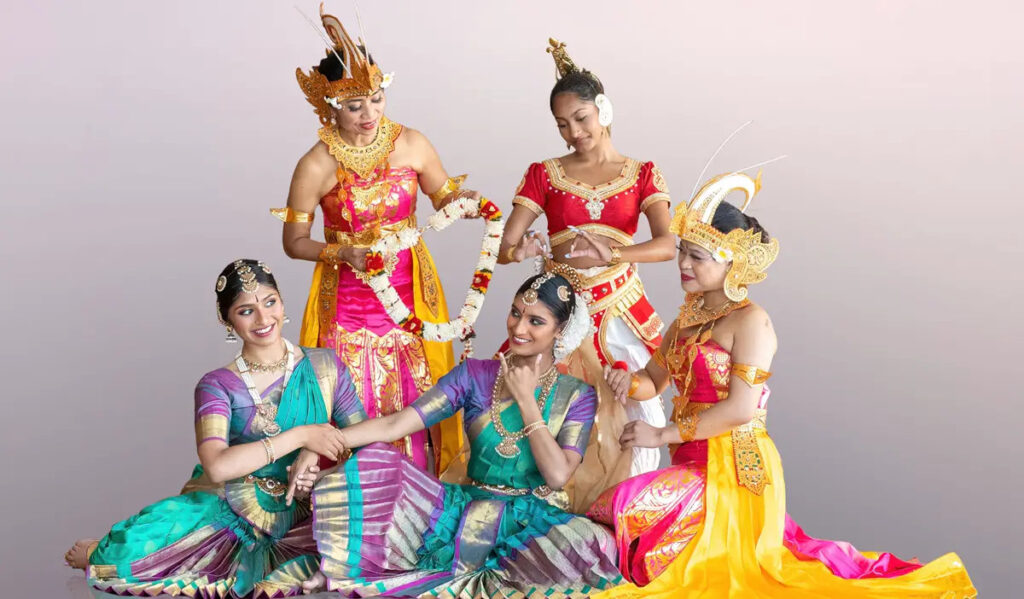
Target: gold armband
(289, 215)
(329, 254)
(751, 375)
(634, 384)
(452, 185)
(510, 253)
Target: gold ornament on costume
(531, 295)
(362, 76)
(563, 64)
(749, 255)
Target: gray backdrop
(144, 142)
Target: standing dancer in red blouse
(593, 198)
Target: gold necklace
(693, 312)
(363, 160)
(269, 366)
(508, 447)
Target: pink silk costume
(623, 317)
(693, 530)
(391, 367)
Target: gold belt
(270, 486)
(750, 472)
(559, 499)
(367, 237)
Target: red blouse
(611, 209)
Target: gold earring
(230, 337)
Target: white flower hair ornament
(576, 330)
(386, 81)
(722, 255)
(605, 114)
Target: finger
(291, 492)
(504, 362)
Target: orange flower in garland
(489, 210)
(374, 263)
(413, 325)
(481, 280)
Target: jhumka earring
(230, 337)
(286, 319)
(559, 346)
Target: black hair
(333, 69)
(583, 83)
(728, 217)
(548, 293)
(233, 283)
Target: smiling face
(359, 116)
(532, 330)
(257, 317)
(698, 270)
(577, 121)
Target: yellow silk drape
(739, 551)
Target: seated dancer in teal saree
(384, 527)
(231, 532)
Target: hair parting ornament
(565, 65)
(362, 77)
(247, 277)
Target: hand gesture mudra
(521, 381)
(586, 245)
(618, 380)
(640, 434)
(531, 245)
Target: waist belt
(750, 472)
(367, 237)
(556, 498)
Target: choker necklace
(266, 413)
(693, 311)
(269, 366)
(508, 447)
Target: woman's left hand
(521, 381)
(640, 434)
(586, 245)
(305, 480)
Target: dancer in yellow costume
(364, 173)
(714, 524)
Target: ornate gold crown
(744, 248)
(362, 77)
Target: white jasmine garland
(577, 329)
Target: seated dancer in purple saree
(384, 527)
(231, 532)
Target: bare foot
(315, 584)
(78, 556)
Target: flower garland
(390, 245)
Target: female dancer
(593, 199)
(714, 524)
(364, 173)
(385, 528)
(231, 530)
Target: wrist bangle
(329, 254)
(688, 427)
(510, 253)
(452, 185)
(616, 257)
(533, 426)
(634, 384)
(268, 447)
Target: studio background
(143, 143)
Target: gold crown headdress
(744, 248)
(362, 76)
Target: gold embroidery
(658, 179)
(605, 230)
(529, 204)
(593, 197)
(428, 279)
(367, 237)
(750, 472)
(751, 375)
(212, 426)
(652, 199)
(363, 160)
(522, 184)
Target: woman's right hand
(324, 439)
(298, 471)
(530, 245)
(618, 380)
(355, 257)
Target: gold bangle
(616, 256)
(329, 254)
(688, 427)
(268, 447)
(634, 384)
(533, 426)
(452, 185)
(510, 253)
